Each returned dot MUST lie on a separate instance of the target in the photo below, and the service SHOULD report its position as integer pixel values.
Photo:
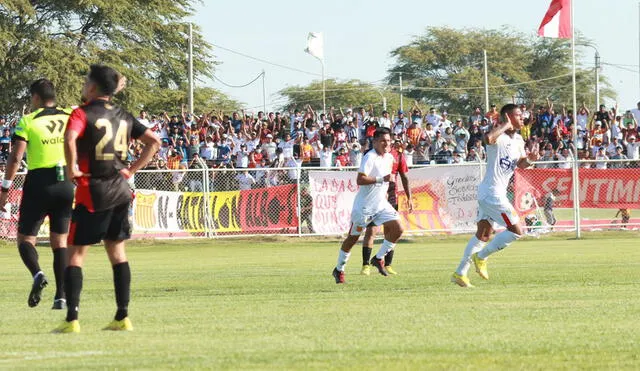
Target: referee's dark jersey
(104, 132)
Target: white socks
(473, 247)
(343, 258)
(499, 242)
(37, 274)
(384, 249)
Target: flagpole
(574, 127)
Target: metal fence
(299, 200)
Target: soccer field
(552, 303)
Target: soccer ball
(526, 201)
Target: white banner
(444, 198)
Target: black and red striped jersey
(104, 132)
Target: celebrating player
(370, 206)
(97, 139)
(399, 167)
(505, 151)
(46, 190)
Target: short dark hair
(106, 78)
(507, 108)
(380, 132)
(44, 89)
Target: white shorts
(361, 218)
(498, 210)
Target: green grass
(553, 303)
(588, 214)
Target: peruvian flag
(557, 22)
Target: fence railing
(299, 200)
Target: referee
(46, 190)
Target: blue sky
(359, 36)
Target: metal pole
(299, 170)
(639, 41)
(401, 103)
(597, 79)
(486, 82)
(576, 178)
(384, 103)
(190, 68)
(264, 95)
(324, 97)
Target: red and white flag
(557, 22)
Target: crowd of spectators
(302, 137)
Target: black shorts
(89, 228)
(391, 195)
(43, 197)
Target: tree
(347, 94)
(445, 68)
(146, 40)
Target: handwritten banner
(443, 198)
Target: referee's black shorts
(88, 228)
(43, 195)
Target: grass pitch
(552, 303)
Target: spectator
(355, 153)
(445, 155)
(601, 157)
(434, 119)
(458, 157)
(493, 115)
(472, 156)
(242, 157)
(632, 149)
(476, 116)
(384, 121)
(437, 143)
(342, 159)
(565, 159)
(294, 173)
(618, 156)
(479, 150)
(326, 157)
(270, 147)
(245, 180)
(224, 152)
(5, 144)
(409, 152)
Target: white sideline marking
(30, 356)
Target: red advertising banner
(272, 209)
(599, 188)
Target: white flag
(315, 45)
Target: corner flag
(557, 22)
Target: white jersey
(373, 197)
(502, 158)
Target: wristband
(6, 183)
(379, 180)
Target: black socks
(72, 287)
(388, 259)
(59, 265)
(29, 257)
(366, 255)
(122, 285)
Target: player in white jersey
(370, 206)
(505, 151)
